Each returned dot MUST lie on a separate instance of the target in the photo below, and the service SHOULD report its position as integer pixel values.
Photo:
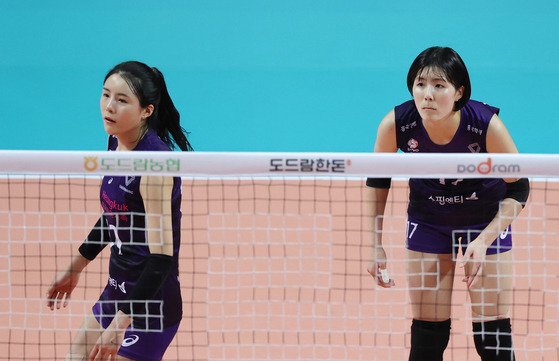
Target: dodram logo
(90, 163)
(488, 167)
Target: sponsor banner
(124, 165)
(270, 164)
(489, 167)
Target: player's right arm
(386, 135)
(60, 290)
(377, 194)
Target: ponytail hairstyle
(148, 84)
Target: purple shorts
(442, 239)
(141, 344)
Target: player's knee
(75, 357)
(490, 312)
(493, 340)
(429, 339)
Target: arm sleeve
(156, 270)
(519, 190)
(379, 182)
(96, 241)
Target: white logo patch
(128, 180)
(474, 148)
(473, 197)
(118, 242)
(129, 341)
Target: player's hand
(107, 345)
(475, 255)
(60, 290)
(377, 268)
(110, 340)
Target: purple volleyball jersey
(124, 213)
(457, 202)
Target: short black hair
(452, 66)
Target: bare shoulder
(156, 180)
(386, 134)
(498, 138)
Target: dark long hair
(450, 63)
(148, 84)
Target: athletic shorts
(141, 345)
(442, 239)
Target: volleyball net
(274, 252)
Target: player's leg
(122, 358)
(430, 280)
(146, 345)
(491, 301)
(85, 339)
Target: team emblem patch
(413, 144)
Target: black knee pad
(493, 340)
(429, 340)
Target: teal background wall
(259, 75)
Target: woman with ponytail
(140, 309)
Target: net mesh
(272, 265)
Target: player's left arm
(156, 193)
(498, 140)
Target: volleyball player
(446, 213)
(139, 311)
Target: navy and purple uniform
(441, 211)
(149, 334)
